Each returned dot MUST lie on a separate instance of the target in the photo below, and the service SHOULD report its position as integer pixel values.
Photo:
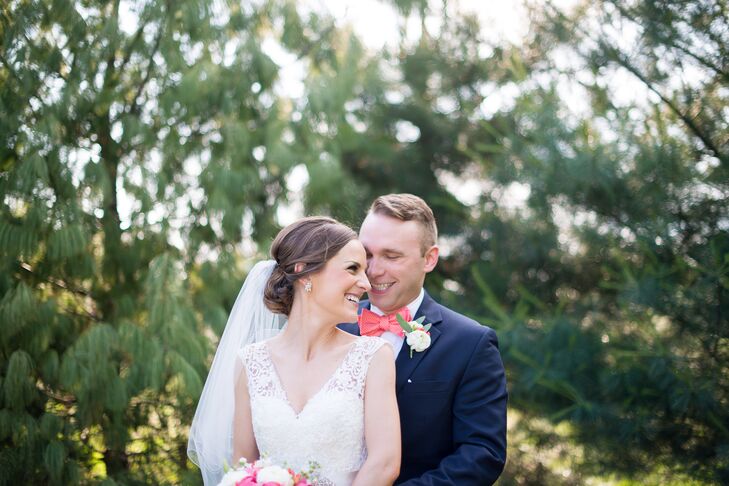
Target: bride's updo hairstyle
(311, 241)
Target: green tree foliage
(609, 286)
(140, 144)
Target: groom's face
(396, 263)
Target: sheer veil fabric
(211, 433)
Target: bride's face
(338, 287)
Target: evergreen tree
(609, 287)
(141, 144)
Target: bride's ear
(304, 281)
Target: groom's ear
(431, 258)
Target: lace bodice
(329, 430)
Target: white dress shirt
(393, 339)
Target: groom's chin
(379, 300)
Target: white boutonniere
(417, 335)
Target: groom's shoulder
(462, 323)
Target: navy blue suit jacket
(452, 402)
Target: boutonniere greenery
(417, 335)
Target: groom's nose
(374, 268)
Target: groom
(452, 395)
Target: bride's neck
(307, 332)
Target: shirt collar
(412, 306)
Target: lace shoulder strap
(367, 346)
(259, 371)
(352, 374)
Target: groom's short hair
(408, 207)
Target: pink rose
(247, 481)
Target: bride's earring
(307, 286)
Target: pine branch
(133, 106)
(130, 48)
(58, 283)
(688, 121)
(65, 399)
(54, 281)
(8, 66)
(700, 59)
(29, 106)
(705, 62)
(618, 57)
(86, 314)
(305, 51)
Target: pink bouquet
(264, 473)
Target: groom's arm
(479, 423)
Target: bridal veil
(211, 432)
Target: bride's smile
(337, 289)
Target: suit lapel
(404, 364)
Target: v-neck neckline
(269, 356)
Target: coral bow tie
(371, 324)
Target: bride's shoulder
(252, 349)
(255, 346)
(370, 344)
(369, 339)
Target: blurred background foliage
(149, 151)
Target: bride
(310, 393)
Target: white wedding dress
(329, 430)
